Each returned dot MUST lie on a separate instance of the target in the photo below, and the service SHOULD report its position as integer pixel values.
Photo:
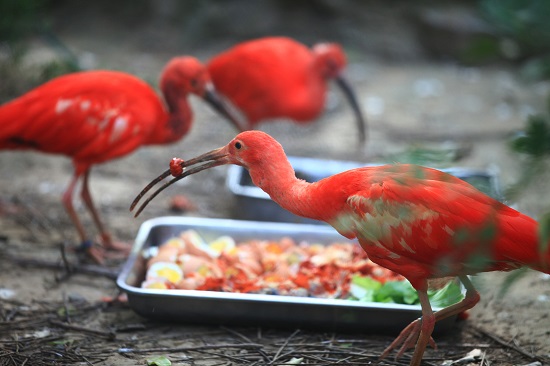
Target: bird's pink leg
(106, 239)
(426, 328)
(68, 203)
(413, 331)
(419, 332)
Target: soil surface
(50, 317)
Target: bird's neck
(278, 179)
(180, 115)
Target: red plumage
(419, 222)
(277, 77)
(91, 116)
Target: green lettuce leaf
(365, 288)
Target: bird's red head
(186, 75)
(250, 148)
(330, 59)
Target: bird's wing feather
(434, 219)
(92, 116)
(267, 78)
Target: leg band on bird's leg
(85, 245)
(91, 250)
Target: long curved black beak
(352, 98)
(224, 107)
(205, 161)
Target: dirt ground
(409, 100)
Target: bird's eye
(238, 145)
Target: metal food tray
(225, 308)
(254, 204)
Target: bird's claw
(91, 250)
(407, 339)
(108, 249)
(109, 244)
(85, 246)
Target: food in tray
(283, 267)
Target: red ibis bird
(277, 77)
(95, 116)
(419, 222)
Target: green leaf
(450, 294)
(400, 292)
(159, 361)
(363, 288)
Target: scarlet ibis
(96, 116)
(419, 222)
(278, 77)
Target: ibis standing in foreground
(278, 77)
(95, 116)
(419, 222)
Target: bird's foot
(407, 339)
(100, 253)
(122, 248)
(92, 250)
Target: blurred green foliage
(533, 144)
(429, 156)
(19, 18)
(523, 34)
(535, 141)
(525, 21)
(544, 232)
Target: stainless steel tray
(254, 204)
(209, 307)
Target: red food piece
(175, 166)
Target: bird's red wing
(439, 221)
(267, 78)
(92, 117)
